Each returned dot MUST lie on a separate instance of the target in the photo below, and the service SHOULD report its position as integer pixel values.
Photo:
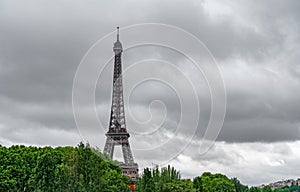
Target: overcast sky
(255, 43)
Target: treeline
(80, 168)
(293, 188)
(169, 180)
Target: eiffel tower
(117, 133)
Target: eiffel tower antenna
(117, 133)
(118, 33)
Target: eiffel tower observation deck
(117, 133)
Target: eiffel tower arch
(117, 133)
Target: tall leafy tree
(238, 186)
(216, 182)
(166, 180)
(198, 184)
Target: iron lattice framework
(117, 133)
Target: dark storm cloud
(42, 44)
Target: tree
(80, 168)
(255, 189)
(146, 182)
(166, 180)
(238, 186)
(216, 182)
(198, 184)
(267, 188)
(45, 172)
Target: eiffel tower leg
(109, 147)
(128, 158)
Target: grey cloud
(43, 45)
(256, 45)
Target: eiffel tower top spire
(118, 45)
(118, 33)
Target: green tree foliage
(293, 188)
(255, 189)
(216, 182)
(198, 184)
(284, 189)
(238, 186)
(267, 189)
(80, 168)
(166, 180)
